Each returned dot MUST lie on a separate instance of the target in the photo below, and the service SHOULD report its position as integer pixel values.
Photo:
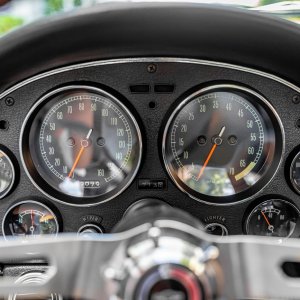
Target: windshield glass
(15, 13)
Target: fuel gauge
(29, 218)
(278, 218)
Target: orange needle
(265, 218)
(211, 152)
(79, 155)
(76, 162)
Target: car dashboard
(112, 111)
(52, 121)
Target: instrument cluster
(216, 144)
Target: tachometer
(223, 142)
(81, 145)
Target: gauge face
(7, 174)
(277, 218)
(29, 218)
(295, 173)
(83, 143)
(221, 142)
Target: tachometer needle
(83, 146)
(211, 152)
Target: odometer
(222, 144)
(81, 145)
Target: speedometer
(222, 144)
(81, 145)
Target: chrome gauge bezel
(35, 177)
(12, 166)
(273, 168)
(29, 202)
(292, 181)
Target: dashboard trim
(149, 60)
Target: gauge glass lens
(83, 143)
(7, 174)
(295, 173)
(29, 218)
(221, 142)
(277, 218)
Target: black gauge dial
(222, 141)
(29, 218)
(7, 174)
(277, 218)
(295, 173)
(82, 143)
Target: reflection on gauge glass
(81, 142)
(29, 218)
(277, 218)
(7, 174)
(223, 141)
(295, 173)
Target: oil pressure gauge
(278, 218)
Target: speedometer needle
(211, 152)
(83, 146)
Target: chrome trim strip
(145, 60)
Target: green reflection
(8, 23)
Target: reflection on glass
(89, 145)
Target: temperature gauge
(29, 218)
(277, 218)
(7, 174)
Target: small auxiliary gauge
(295, 173)
(7, 174)
(29, 218)
(278, 218)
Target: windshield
(15, 13)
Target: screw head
(151, 68)
(9, 101)
(296, 99)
